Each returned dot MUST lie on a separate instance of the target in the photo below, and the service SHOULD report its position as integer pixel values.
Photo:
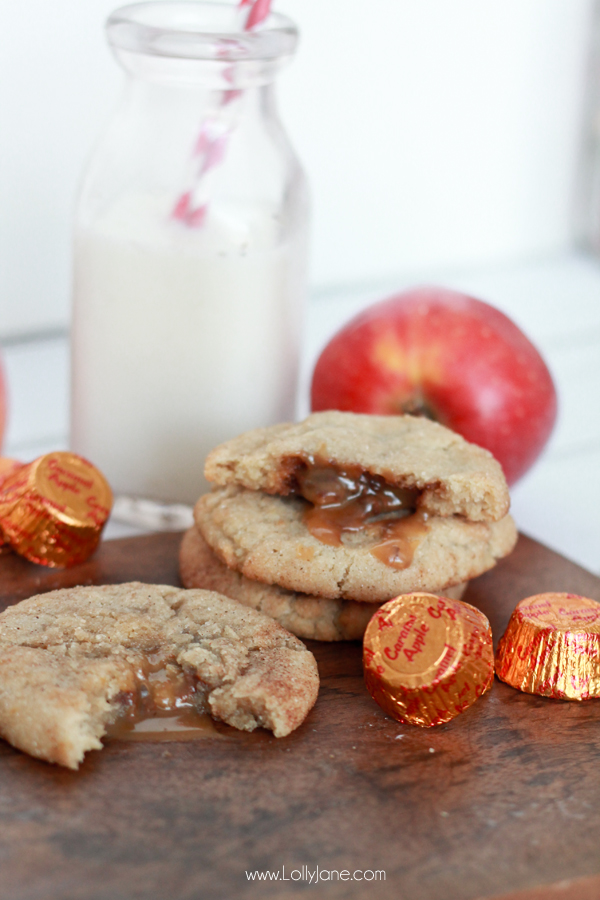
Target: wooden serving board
(502, 801)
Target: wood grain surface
(504, 801)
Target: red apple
(438, 353)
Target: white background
(434, 132)
(443, 141)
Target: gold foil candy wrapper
(52, 510)
(551, 647)
(427, 658)
(7, 467)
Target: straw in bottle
(211, 143)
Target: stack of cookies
(318, 523)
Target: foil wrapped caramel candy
(427, 658)
(551, 647)
(7, 467)
(53, 509)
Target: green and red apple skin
(436, 352)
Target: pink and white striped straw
(212, 140)
(259, 10)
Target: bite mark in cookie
(70, 664)
(452, 476)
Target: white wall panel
(435, 133)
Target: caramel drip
(351, 501)
(188, 725)
(165, 706)
(401, 539)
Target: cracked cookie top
(70, 664)
(448, 475)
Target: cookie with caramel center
(305, 615)
(450, 475)
(267, 539)
(70, 663)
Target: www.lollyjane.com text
(316, 875)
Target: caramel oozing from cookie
(165, 707)
(346, 501)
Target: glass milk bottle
(190, 250)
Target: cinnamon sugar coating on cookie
(305, 615)
(68, 660)
(266, 539)
(453, 476)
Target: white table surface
(555, 300)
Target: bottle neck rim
(201, 31)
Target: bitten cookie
(266, 538)
(304, 615)
(453, 476)
(69, 661)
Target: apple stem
(416, 406)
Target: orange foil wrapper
(52, 510)
(7, 467)
(427, 658)
(551, 647)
